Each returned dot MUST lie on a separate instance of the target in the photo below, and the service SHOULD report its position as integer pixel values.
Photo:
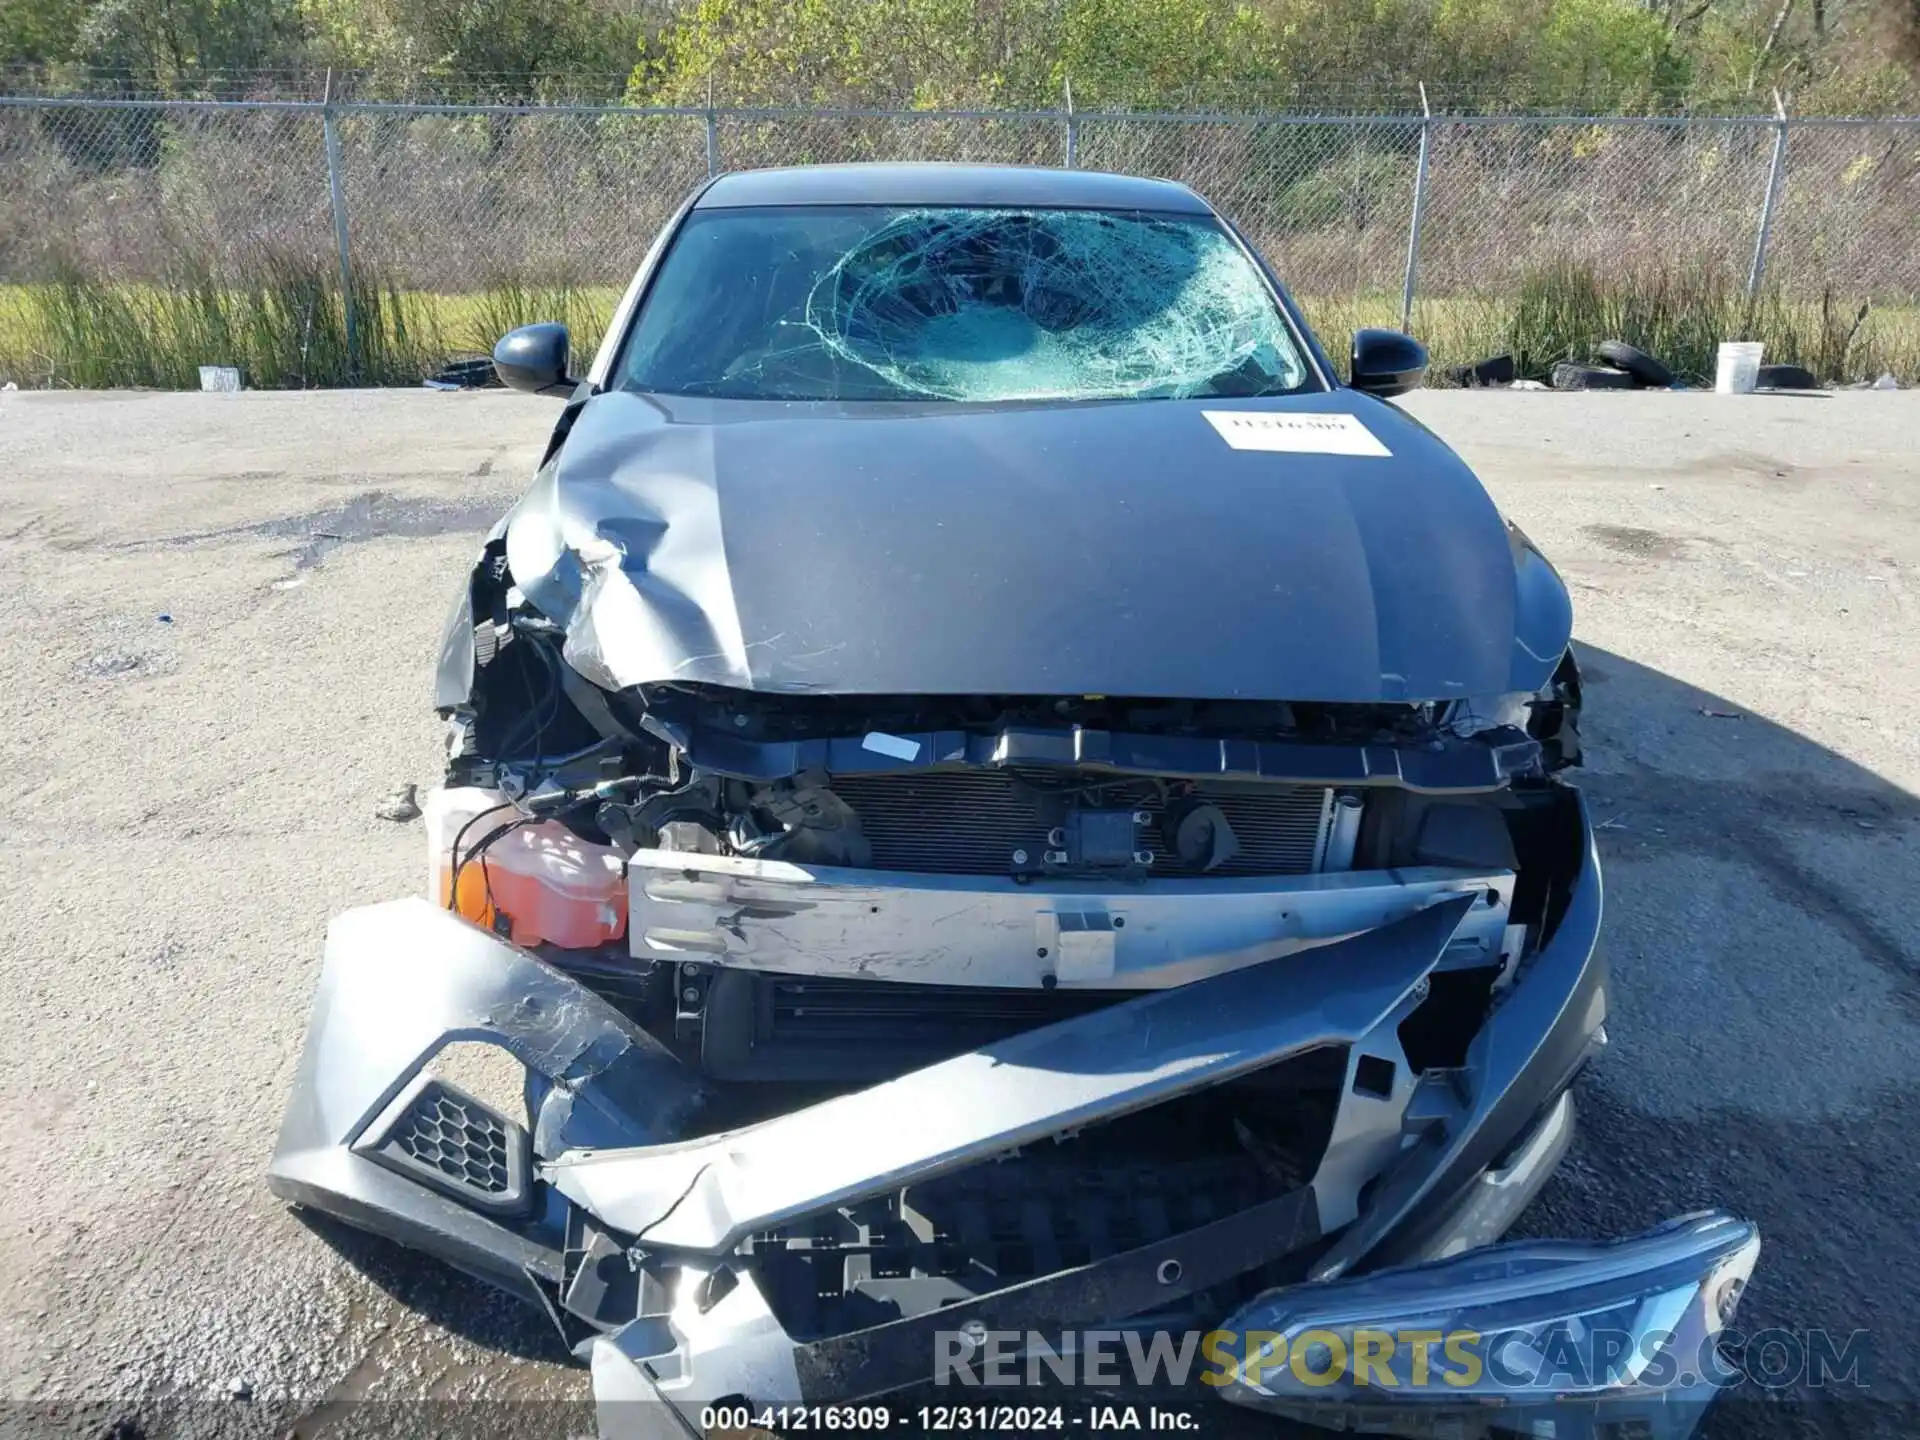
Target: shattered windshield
(866, 302)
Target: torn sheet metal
(774, 915)
(704, 1196)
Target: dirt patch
(1640, 543)
(370, 516)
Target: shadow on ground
(469, 1308)
(1683, 783)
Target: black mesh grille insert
(460, 1140)
(969, 822)
(443, 1137)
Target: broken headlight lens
(1524, 1323)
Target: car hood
(1114, 548)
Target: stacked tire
(1786, 377)
(1627, 368)
(1569, 376)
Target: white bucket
(220, 377)
(1737, 370)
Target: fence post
(713, 134)
(1774, 173)
(337, 190)
(1419, 213)
(1073, 128)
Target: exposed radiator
(969, 822)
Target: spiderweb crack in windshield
(988, 305)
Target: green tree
(39, 32)
(180, 46)
(926, 52)
(500, 49)
(1592, 55)
(1601, 55)
(1142, 54)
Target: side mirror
(1387, 363)
(534, 358)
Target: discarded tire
(1636, 362)
(1786, 377)
(1568, 376)
(1494, 370)
(465, 375)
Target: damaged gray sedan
(990, 794)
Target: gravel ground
(224, 611)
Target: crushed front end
(841, 1026)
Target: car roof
(947, 184)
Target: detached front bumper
(617, 1208)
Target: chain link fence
(1373, 215)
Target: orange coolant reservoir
(549, 886)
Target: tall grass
(284, 325)
(1683, 316)
(1680, 316)
(507, 303)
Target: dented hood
(1114, 548)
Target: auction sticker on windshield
(1295, 434)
